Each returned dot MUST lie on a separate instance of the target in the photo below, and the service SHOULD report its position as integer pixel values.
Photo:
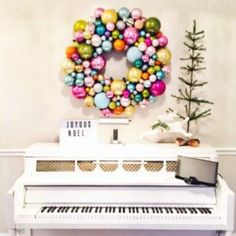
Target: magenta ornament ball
(79, 92)
(131, 35)
(158, 88)
(98, 63)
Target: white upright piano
(115, 190)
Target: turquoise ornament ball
(138, 63)
(131, 87)
(138, 97)
(160, 75)
(100, 30)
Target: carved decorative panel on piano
(115, 190)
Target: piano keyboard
(121, 212)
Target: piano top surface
(131, 151)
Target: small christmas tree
(187, 94)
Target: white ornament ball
(142, 47)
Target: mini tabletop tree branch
(186, 95)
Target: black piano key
(194, 210)
(100, 209)
(177, 210)
(170, 210)
(83, 209)
(166, 209)
(184, 210)
(54, 208)
(209, 211)
(77, 209)
(147, 210)
(160, 209)
(114, 209)
(119, 209)
(156, 209)
(67, 209)
(73, 209)
(143, 210)
(43, 209)
(49, 209)
(96, 210)
(123, 208)
(59, 209)
(206, 210)
(153, 210)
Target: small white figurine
(167, 129)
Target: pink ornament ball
(79, 92)
(136, 13)
(131, 35)
(75, 56)
(110, 26)
(98, 12)
(98, 63)
(106, 112)
(163, 41)
(145, 58)
(79, 36)
(158, 88)
(109, 94)
(126, 93)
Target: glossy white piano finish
(152, 201)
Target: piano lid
(136, 151)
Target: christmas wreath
(144, 46)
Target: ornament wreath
(125, 31)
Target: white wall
(33, 39)
(33, 98)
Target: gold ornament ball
(117, 86)
(109, 16)
(68, 66)
(129, 111)
(164, 56)
(134, 75)
(88, 101)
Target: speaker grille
(86, 165)
(171, 166)
(132, 167)
(153, 166)
(108, 167)
(54, 166)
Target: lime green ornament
(79, 25)
(152, 25)
(85, 51)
